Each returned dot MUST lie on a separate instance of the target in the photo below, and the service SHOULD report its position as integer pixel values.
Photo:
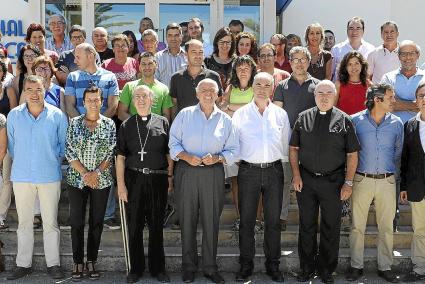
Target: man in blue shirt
(90, 74)
(36, 141)
(202, 139)
(381, 137)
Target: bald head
(100, 38)
(85, 57)
(207, 82)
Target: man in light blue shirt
(202, 139)
(381, 138)
(36, 141)
(405, 80)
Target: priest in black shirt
(142, 169)
(323, 156)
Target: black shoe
(163, 277)
(327, 278)
(353, 274)
(215, 277)
(276, 275)
(55, 272)
(19, 272)
(388, 275)
(412, 276)
(133, 277)
(305, 276)
(188, 276)
(243, 275)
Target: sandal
(77, 272)
(91, 270)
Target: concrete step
(230, 238)
(228, 215)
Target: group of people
(185, 116)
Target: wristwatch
(349, 183)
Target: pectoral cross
(142, 153)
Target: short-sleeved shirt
(90, 148)
(78, 81)
(156, 147)
(382, 61)
(404, 89)
(66, 45)
(124, 73)
(168, 64)
(318, 69)
(182, 86)
(295, 97)
(324, 139)
(161, 101)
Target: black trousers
(147, 197)
(252, 182)
(77, 215)
(323, 193)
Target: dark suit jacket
(412, 163)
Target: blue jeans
(110, 207)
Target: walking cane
(124, 231)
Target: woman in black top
(26, 58)
(221, 59)
(8, 98)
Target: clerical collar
(145, 117)
(322, 112)
(325, 112)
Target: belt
(340, 169)
(147, 171)
(375, 176)
(262, 165)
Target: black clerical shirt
(324, 139)
(156, 148)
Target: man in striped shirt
(173, 58)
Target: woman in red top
(353, 83)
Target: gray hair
(33, 79)
(208, 80)
(327, 83)
(150, 32)
(264, 75)
(102, 29)
(61, 17)
(409, 42)
(145, 88)
(299, 49)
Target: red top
(352, 97)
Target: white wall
(18, 11)
(334, 14)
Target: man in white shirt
(354, 41)
(263, 130)
(196, 29)
(385, 57)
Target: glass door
(115, 15)
(173, 11)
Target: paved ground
(119, 277)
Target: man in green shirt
(162, 103)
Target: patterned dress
(90, 148)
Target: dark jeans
(323, 193)
(252, 182)
(147, 197)
(78, 200)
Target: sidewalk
(119, 277)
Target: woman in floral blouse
(89, 150)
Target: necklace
(142, 146)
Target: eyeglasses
(29, 57)
(420, 96)
(299, 60)
(120, 46)
(407, 54)
(77, 37)
(56, 23)
(43, 69)
(223, 42)
(264, 56)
